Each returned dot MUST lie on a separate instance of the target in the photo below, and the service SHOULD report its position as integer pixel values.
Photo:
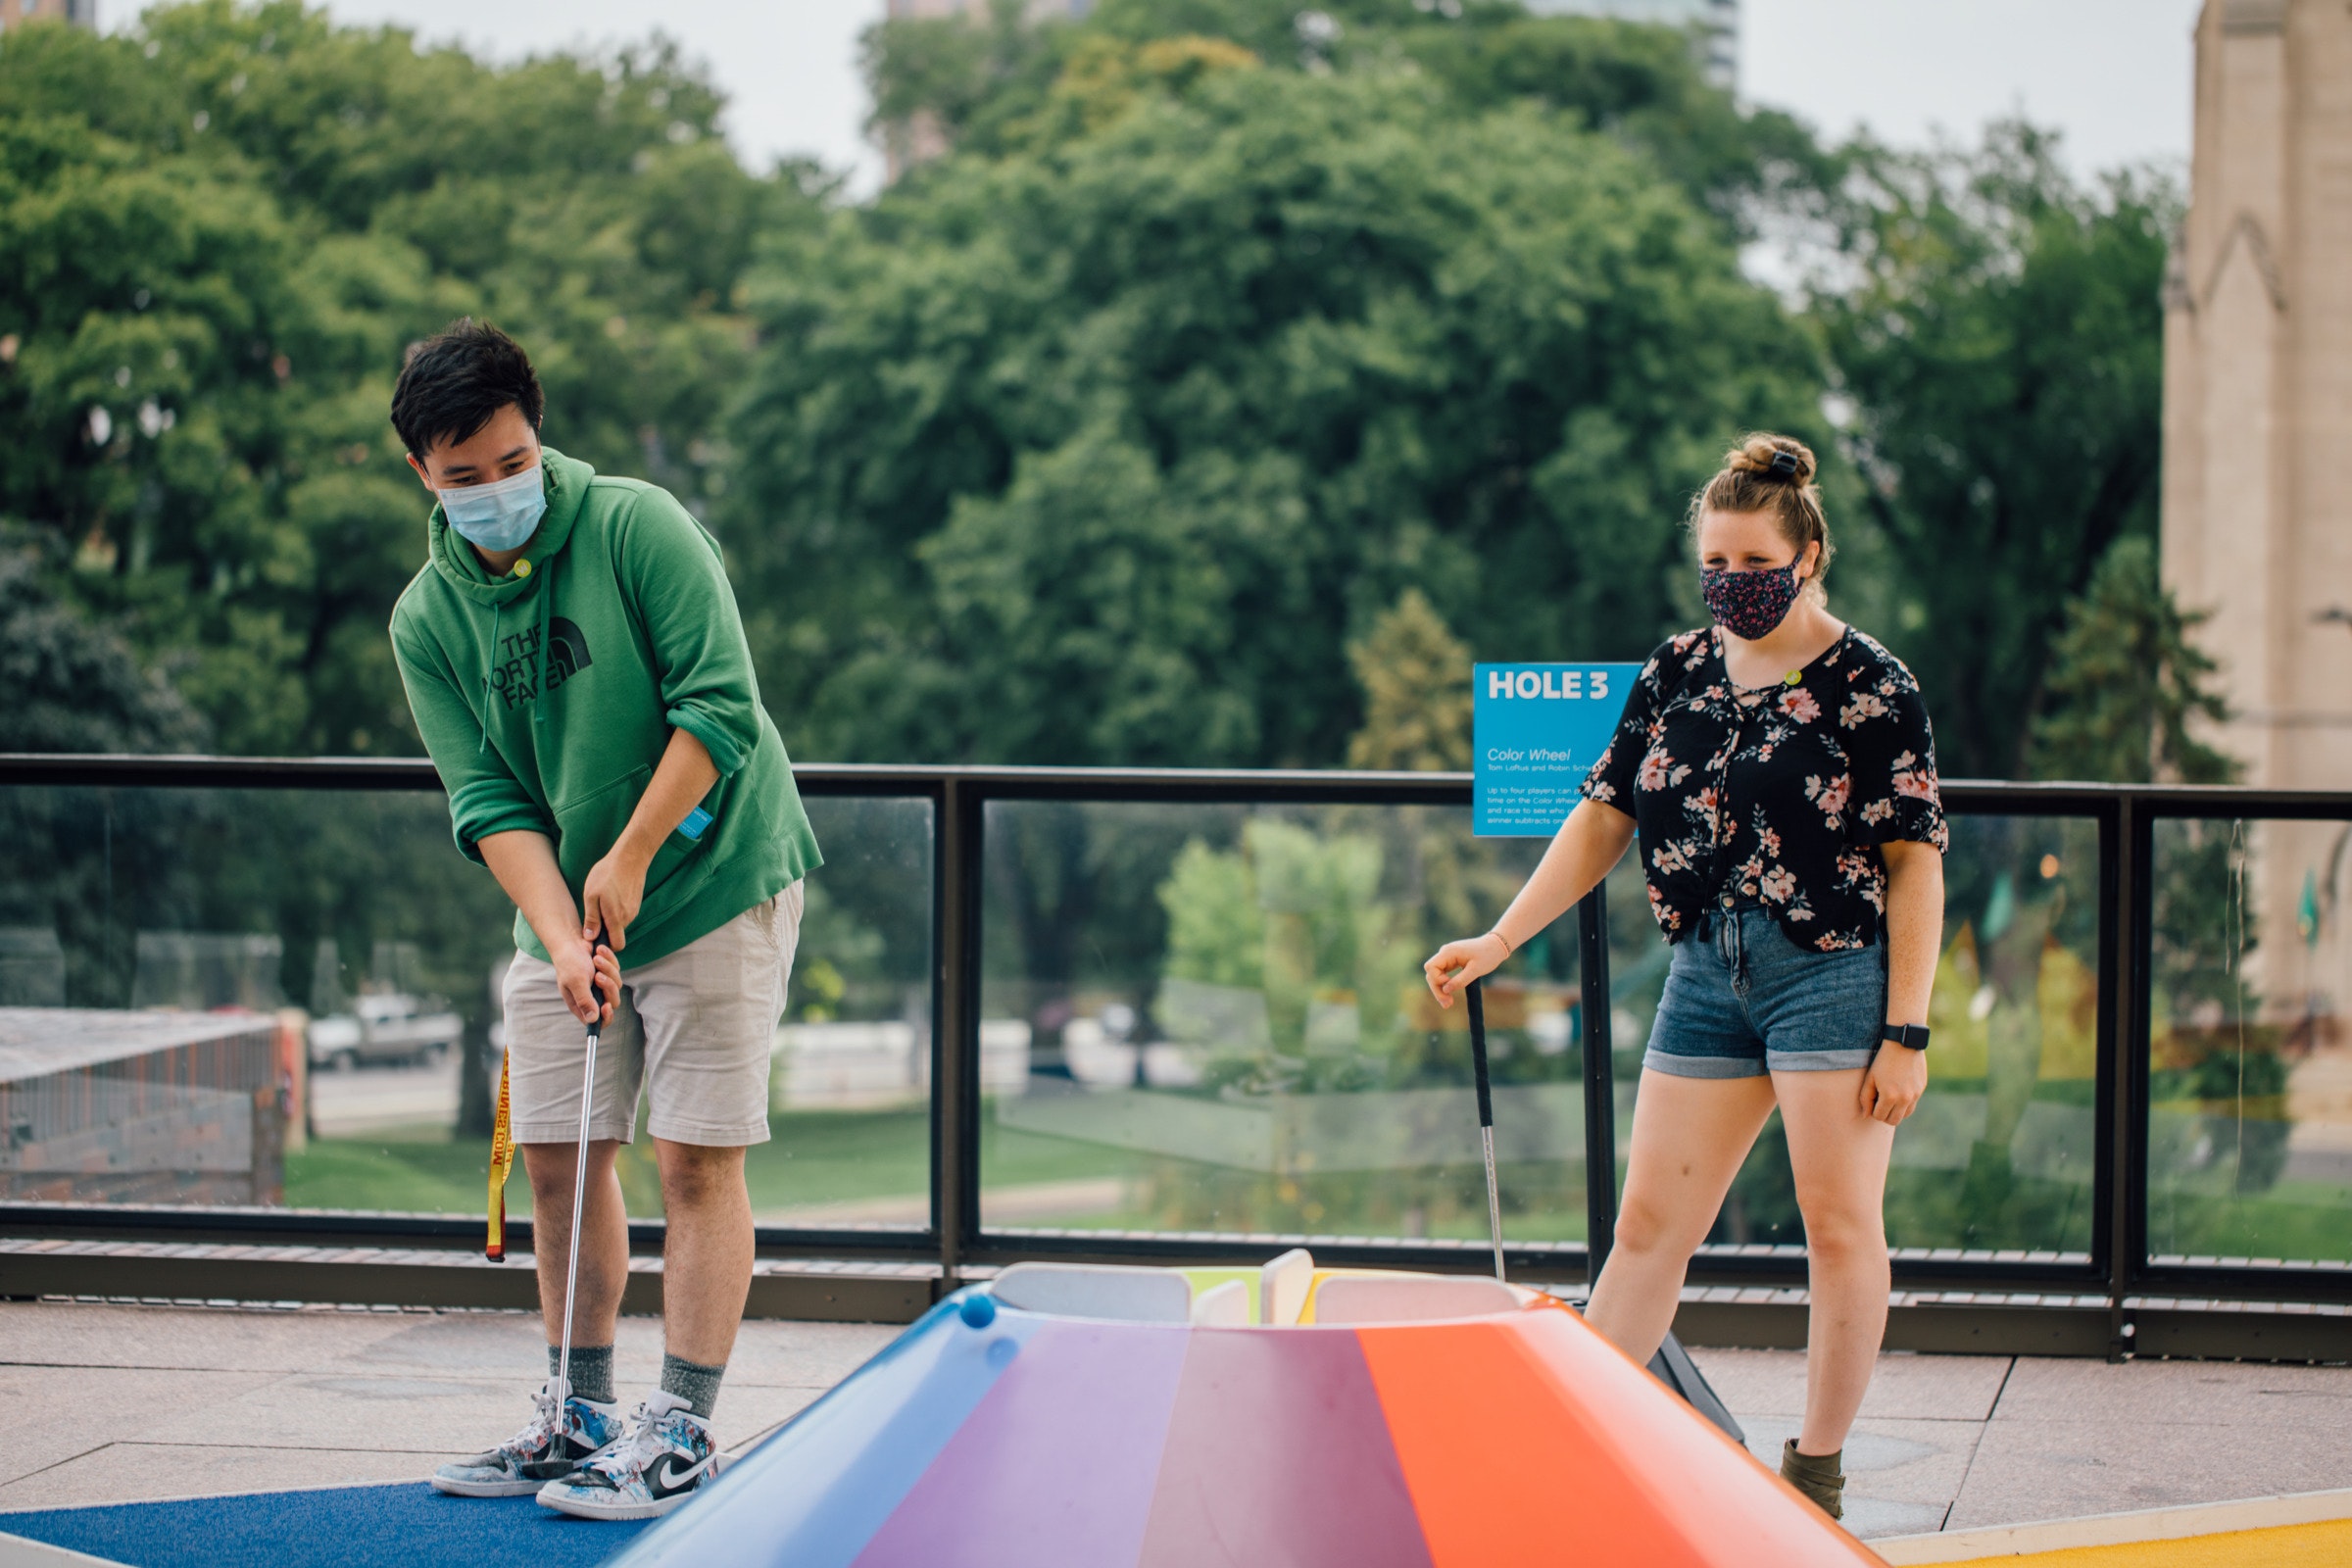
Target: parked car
(383, 1030)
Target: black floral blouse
(1779, 796)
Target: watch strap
(1913, 1036)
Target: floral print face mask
(1749, 604)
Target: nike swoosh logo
(671, 1479)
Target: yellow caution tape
(502, 1161)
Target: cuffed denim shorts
(1742, 1000)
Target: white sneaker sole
(484, 1489)
(585, 1508)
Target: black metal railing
(2147, 895)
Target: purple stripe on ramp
(1055, 1465)
(1278, 1456)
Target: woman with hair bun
(1780, 772)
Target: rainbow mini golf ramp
(1157, 1418)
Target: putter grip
(1478, 1054)
(595, 1025)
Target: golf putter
(1486, 1116)
(579, 1181)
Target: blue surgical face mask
(498, 515)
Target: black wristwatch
(1913, 1035)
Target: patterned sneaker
(667, 1455)
(533, 1457)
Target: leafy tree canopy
(2125, 684)
(2001, 345)
(217, 232)
(1001, 84)
(73, 686)
(1101, 450)
(1417, 703)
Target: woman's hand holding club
(1455, 964)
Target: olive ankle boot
(1820, 1477)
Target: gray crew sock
(591, 1370)
(697, 1385)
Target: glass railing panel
(1209, 1020)
(2249, 1137)
(288, 997)
(850, 1087)
(1999, 1158)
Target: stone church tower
(2258, 384)
(2258, 453)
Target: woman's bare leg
(1838, 1156)
(1690, 1135)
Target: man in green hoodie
(577, 668)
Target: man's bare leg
(604, 1239)
(707, 1261)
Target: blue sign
(1537, 730)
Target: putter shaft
(1486, 1136)
(579, 1198)
(579, 1192)
(1485, 1116)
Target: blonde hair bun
(1777, 457)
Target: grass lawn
(2299, 1220)
(831, 1158)
(419, 1170)
(811, 1158)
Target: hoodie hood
(456, 564)
(455, 561)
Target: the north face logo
(515, 675)
(567, 652)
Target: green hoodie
(621, 600)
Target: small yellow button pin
(522, 569)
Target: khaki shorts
(693, 1031)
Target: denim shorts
(1743, 1000)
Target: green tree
(1416, 679)
(2001, 344)
(1102, 452)
(67, 685)
(218, 229)
(994, 83)
(2126, 683)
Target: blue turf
(408, 1525)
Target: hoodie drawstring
(546, 655)
(546, 590)
(489, 661)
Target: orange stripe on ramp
(1530, 1440)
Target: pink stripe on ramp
(1278, 1456)
(1055, 1465)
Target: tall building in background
(1038, 10)
(2258, 440)
(2257, 382)
(1717, 22)
(919, 139)
(80, 12)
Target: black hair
(454, 383)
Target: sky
(2112, 75)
